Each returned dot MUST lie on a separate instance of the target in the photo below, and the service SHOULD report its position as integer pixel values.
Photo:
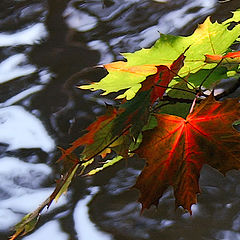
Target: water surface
(42, 44)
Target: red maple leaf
(159, 81)
(96, 132)
(177, 148)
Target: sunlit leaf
(231, 60)
(177, 148)
(26, 225)
(108, 163)
(209, 38)
(66, 183)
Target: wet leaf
(66, 184)
(26, 225)
(108, 163)
(158, 82)
(230, 60)
(209, 38)
(177, 148)
(97, 137)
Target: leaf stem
(175, 88)
(177, 75)
(111, 142)
(209, 73)
(172, 100)
(194, 102)
(178, 100)
(193, 105)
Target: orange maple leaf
(230, 58)
(138, 70)
(177, 148)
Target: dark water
(42, 44)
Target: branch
(175, 88)
(178, 100)
(227, 92)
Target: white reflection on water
(20, 189)
(168, 23)
(50, 230)
(84, 227)
(20, 129)
(177, 19)
(27, 36)
(15, 173)
(228, 235)
(102, 47)
(13, 67)
(20, 96)
(79, 21)
(181, 17)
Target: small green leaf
(236, 123)
(108, 163)
(26, 225)
(66, 184)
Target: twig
(105, 147)
(174, 101)
(175, 88)
(178, 100)
(177, 75)
(209, 73)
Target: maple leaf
(158, 82)
(177, 108)
(209, 38)
(230, 60)
(97, 137)
(95, 142)
(177, 148)
(109, 127)
(205, 136)
(135, 113)
(29, 221)
(107, 164)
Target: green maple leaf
(209, 38)
(177, 108)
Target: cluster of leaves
(156, 121)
